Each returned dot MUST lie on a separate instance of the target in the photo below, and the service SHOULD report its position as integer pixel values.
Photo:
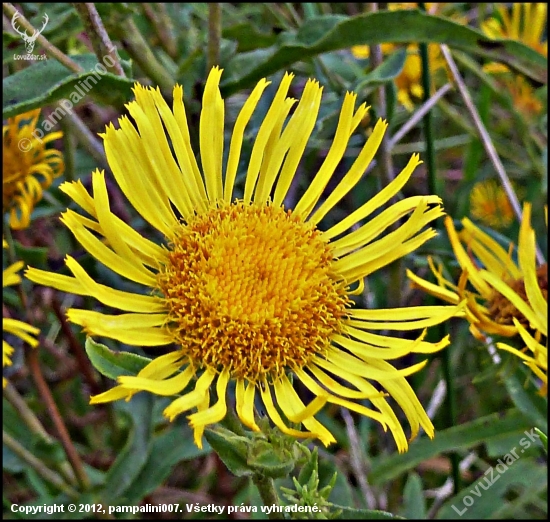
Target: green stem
(162, 24)
(69, 151)
(85, 137)
(136, 46)
(428, 118)
(450, 410)
(266, 488)
(46, 473)
(214, 35)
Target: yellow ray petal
(191, 399)
(238, 135)
(133, 329)
(165, 387)
(217, 411)
(211, 134)
(110, 296)
(295, 410)
(355, 172)
(245, 403)
(278, 106)
(335, 154)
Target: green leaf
(543, 439)
(33, 256)
(131, 460)
(248, 37)
(389, 69)
(414, 503)
(231, 448)
(464, 436)
(167, 449)
(113, 364)
(487, 495)
(47, 81)
(364, 514)
(334, 32)
(533, 406)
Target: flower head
(490, 204)
(247, 291)
(525, 23)
(15, 327)
(505, 298)
(28, 167)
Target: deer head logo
(29, 40)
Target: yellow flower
(409, 80)
(525, 23)
(247, 290)
(28, 167)
(490, 204)
(508, 299)
(20, 329)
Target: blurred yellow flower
(249, 292)
(409, 80)
(507, 299)
(525, 23)
(20, 329)
(490, 204)
(28, 167)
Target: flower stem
(46, 473)
(137, 47)
(214, 34)
(32, 422)
(428, 119)
(267, 490)
(46, 395)
(433, 189)
(99, 38)
(163, 26)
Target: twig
(37, 465)
(32, 422)
(46, 396)
(76, 349)
(418, 115)
(99, 38)
(86, 138)
(214, 35)
(356, 460)
(376, 58)
(163, 27)
(137, 47)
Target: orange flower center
(250, 287)
(503, 311)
